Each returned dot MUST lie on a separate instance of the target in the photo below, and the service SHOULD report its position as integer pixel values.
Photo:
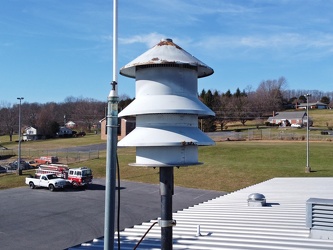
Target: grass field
(228, 166)
(322, 118)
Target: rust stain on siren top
(169, 42)
(166, 52)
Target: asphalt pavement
(40, 219)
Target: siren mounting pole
(111, 146)
(166, 191)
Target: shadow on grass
(5, 157)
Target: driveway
(40, 219)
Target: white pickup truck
(50, 181)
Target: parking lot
(40, 219)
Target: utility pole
(307, 168)
(19, 170)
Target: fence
(266, 134)
(6, 152)
(65, 156)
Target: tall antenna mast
(111, 146)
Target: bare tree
(269, 96)
(46, 120)
(241, 109)
(9, 119)
(88, 112)
(30, 114)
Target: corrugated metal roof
(227, 222)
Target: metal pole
(166, 222)
(111, 147)
(307, 168)
(19, 170)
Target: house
(29, 134)
(65, 132)
(126, 126)
(289, 118)
(312, 105)
(70, 124)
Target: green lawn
(52, 143)
(322, 118)
(228, 166)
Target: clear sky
(53, 49)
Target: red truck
(60, 170)
(78, 177)
(47, 160)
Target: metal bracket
(114, 83)
(167, 223)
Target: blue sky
(53, 49)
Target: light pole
(307, 168)
(19, 170)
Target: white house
(70, 124)
(29, 133)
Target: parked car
(34, 164)
(327, 132)
(3, 170)
(79, 134)
(295, 125)
(14, 164)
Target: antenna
(111, 145)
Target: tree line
(270, 96)
(47, 118)
(248, 104)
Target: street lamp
(307, 168)
(19, 170)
